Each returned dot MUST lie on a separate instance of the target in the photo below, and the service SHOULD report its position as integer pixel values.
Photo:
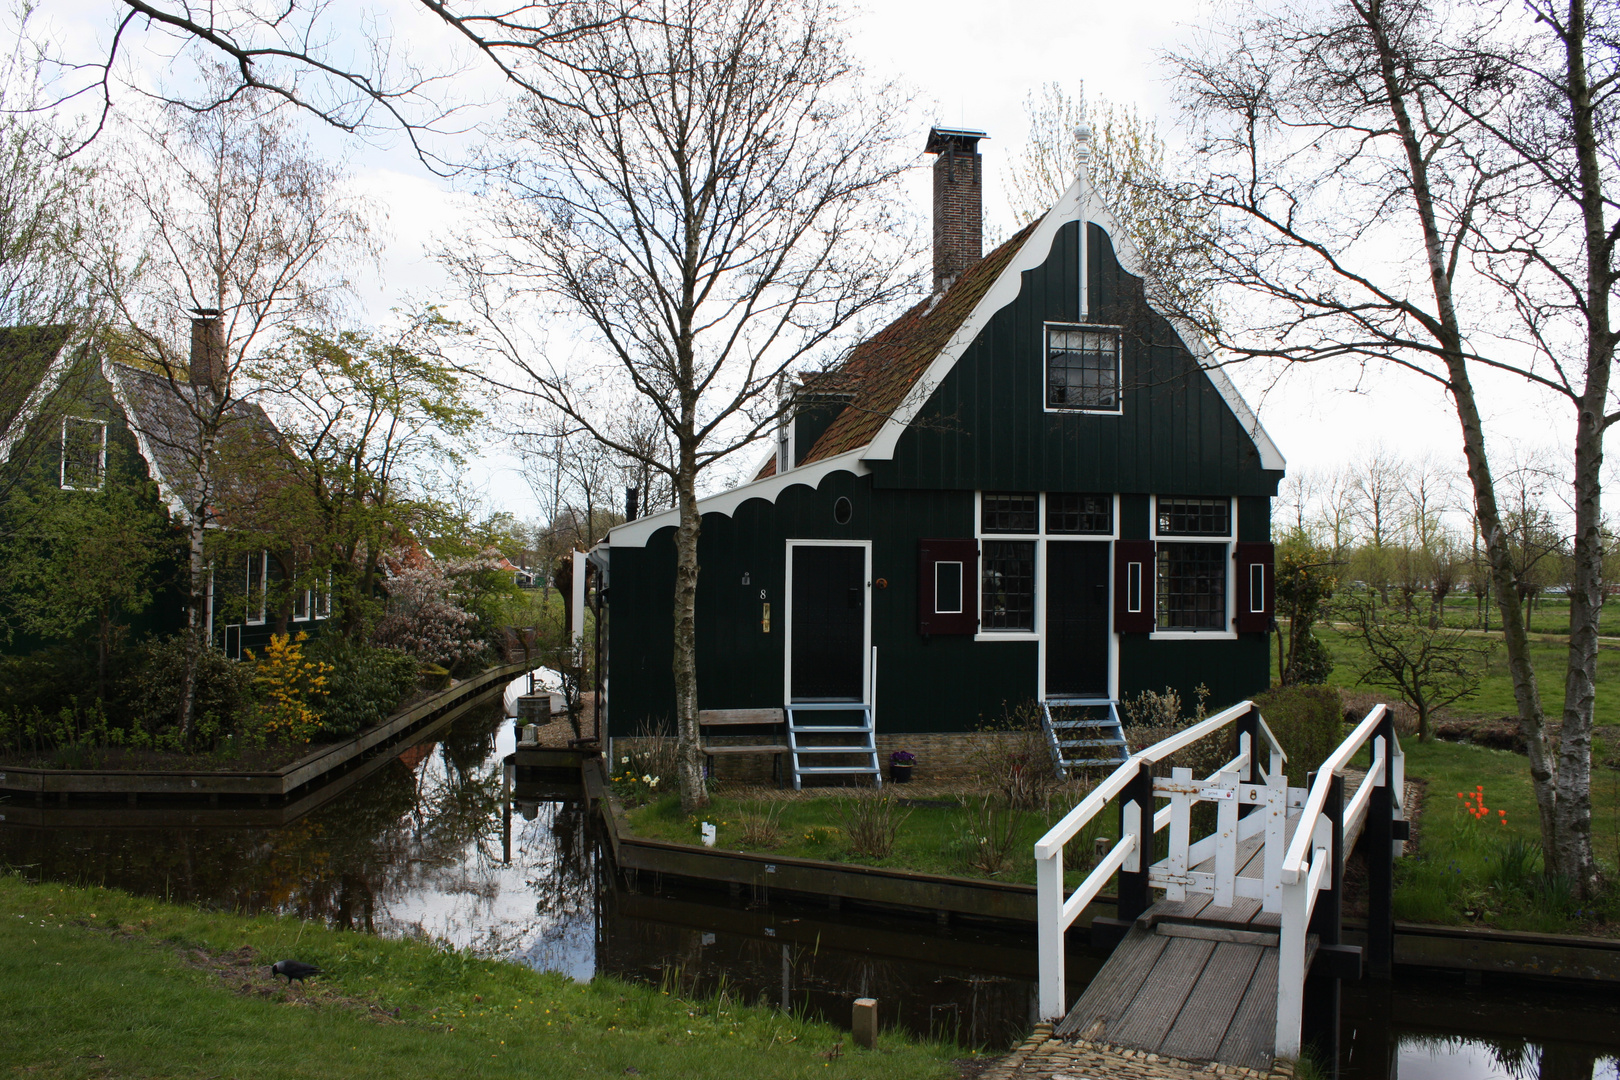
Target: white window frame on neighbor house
(1227, 631)
(1048, 329)
(1040, 536)
(101, 454)
(263, 559)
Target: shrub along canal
(429, 845)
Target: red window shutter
(1256, 587)
(1134, 576)
(947, 586)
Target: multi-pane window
(1195, 517)
(257, 564)
(1192, 586)
(1007, 587)
(1079, 514)
(1193, 574)
(84, 453)
(1082, 368)
(1009, 513)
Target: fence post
(1133, 884)
(1049, 934)
(1378, 844)
(1248, 726)
(1320, 1015)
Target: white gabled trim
(171, 499)
(1075, 205)
(55, 372)
(1031, 254)
(1130, 260)
(634, 534)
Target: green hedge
(1308, 721)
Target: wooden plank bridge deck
(1194, 981)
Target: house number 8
(762, 594)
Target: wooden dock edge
(838, 883)
(277, 783)
(1501, 952)
(1416, 945)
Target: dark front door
(829, 624)
(1076, 619)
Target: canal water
(429, 845)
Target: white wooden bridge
(1243, 948)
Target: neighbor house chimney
(632, 497)
(958, 202)
(208, 350)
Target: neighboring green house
(76, 425)
(1029, 488)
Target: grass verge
(106, 984)
(1487, 869)
(966, 839)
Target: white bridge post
(1049, 933)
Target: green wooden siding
(985, 426)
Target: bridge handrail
(1294, 862)
(1075, 820)
(1054, 912)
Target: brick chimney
(958, 202)
(208, 350)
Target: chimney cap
(942, 139)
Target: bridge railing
(1313, 866)
(1241, 778)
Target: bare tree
(707, 196)
(1360, 160)
(337, 62)
(235, 231)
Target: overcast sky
(970, 64)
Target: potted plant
(900, 766)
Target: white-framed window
(258, 573)
(84, 454)
(1193, 564)
(1082, 368)
(323, 598)
(1013, 530)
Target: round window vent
(842, 509)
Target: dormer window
(1082, 368)
(84, 453)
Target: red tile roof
(881, 370)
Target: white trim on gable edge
(55, 372)
(109, 370)
(636, 533)
(1075, 205)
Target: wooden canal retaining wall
(944, 896)
(289, 781)
(1416, 945)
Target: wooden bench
(710, 719)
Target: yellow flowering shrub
(290, 687)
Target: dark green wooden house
(1030, 488)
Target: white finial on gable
(1082, 155)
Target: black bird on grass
(293, 969)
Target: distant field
(1549, 614)
(1494, 699)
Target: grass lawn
(104, 984)
(956, 839)
(1494, 698)
(1487, 871)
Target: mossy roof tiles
(881, 370)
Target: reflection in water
(429, 844)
